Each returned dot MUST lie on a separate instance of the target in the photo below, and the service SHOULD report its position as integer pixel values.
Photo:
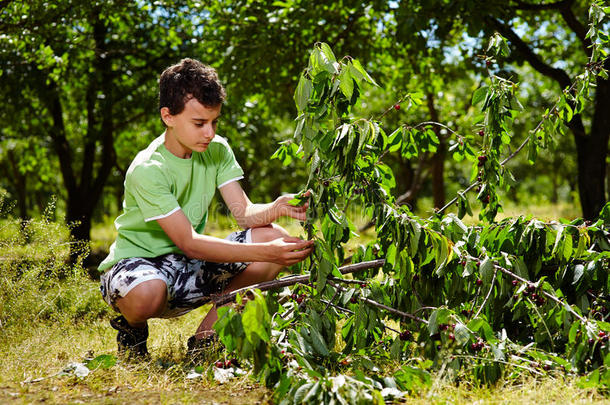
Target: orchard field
(50, 326)
(462, 237)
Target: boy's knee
(268, 233)
(146, 300)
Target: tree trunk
(79, 222)
(437, 160)
(591, 151)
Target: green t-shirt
(157, 184)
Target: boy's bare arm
(249, 215)
(285, 251)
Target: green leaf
(256, 320)
(317, 342)
(328, 52)
(364, 73)
(438, 316)
(346, 83)
(299, 395)
(103, 361)
(579, 270)
(486, 270)
(479, 95)
(325, 268)
(302, 93)
(462, 334)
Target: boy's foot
(131, 341)
(197, 348)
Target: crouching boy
(161, 265)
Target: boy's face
(191, 130)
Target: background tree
(82, 76)
(552, 39)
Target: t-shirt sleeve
(151, 192)
(228, 169)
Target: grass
(52, 315)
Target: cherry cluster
(227, 363)
(406, 335)
(445, 327)
(532, 292)
(478, 345)
(298, 297)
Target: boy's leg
(146, 300)
(253, 274)
(138, 289)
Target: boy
(160, 264)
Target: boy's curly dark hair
(188, 79)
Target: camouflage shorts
(190, 282)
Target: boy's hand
(289, 250)
(285, 206)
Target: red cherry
(353, 300)
(299, 300)
(451, 336)
(397, 107)
(227, 363)
(479, 282)
(482, 133)
(515, 282)
(405, 335)
(219, 364)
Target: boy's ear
(167, 117)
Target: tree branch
(579, 29)
(383, 307)
(559, 75)
(491, 287)
(221, 299)
(521, 5)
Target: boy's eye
(199, 124)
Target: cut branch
(221, 299)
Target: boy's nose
(209, 132)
